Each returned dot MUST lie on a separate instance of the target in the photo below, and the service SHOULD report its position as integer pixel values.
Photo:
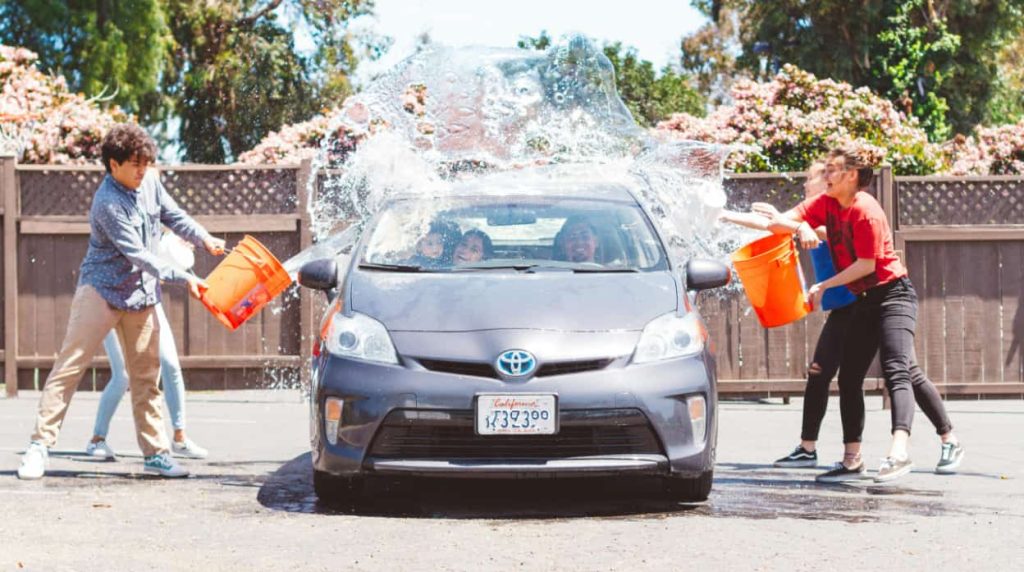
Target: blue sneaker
(164, 465)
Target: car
(571, 347)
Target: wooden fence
(962, 239)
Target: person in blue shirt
(118, 288)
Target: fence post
(9, 192)
(303, 179)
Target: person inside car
(577, 241)
(436, 248)
(474, 247)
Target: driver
(578, 240)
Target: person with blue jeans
(174, 394)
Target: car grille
(411, 434)
(477, 369)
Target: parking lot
(251, 504)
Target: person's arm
(859, 269)
(749, 220)
(789, 222)
(123, 233)
(181, 224)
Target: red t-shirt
(859, 231)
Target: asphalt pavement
(251, 504)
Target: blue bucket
(836, 297)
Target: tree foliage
(117, 49)
(649, 95)
(936, 59)
(230, 71)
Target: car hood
(463, 302)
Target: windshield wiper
(519, 267)
(391, 267)
(603, 270)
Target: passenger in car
(436, 248)
(475, 246)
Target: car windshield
(481, 234)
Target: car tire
(691, 489)
(335, 490)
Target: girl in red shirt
(885, 314)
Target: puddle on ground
(766, 494)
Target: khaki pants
(91, 319)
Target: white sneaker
(189, 449)
(33, 462)
(100, 450)
(164, 465)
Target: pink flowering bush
(299, 141)
(784, 124)
(990, 151)
(42, 120)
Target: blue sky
(653, 27)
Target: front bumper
(611, 398)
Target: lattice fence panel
(940, 201)
(234, 191)
(59, 193)
(783, 192)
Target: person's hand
(197, 286)
(806, 236)
(814, 295)
(214, 246)
(765, 210)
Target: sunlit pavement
(252, 504)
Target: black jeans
(834, 353)
(885, 317)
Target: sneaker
(33, 462)
(164, 465)
(100, 450)
(841, 473)
(799, 458)
(949, 459)
(892, 469)
(189, 449)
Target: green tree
(101, 47)
(934, 58)
(236, 74)
(1007, 105)
(650, 96)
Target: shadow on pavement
(737, 493)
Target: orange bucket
(769, 269)
(244, 282)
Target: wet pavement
(252, 503)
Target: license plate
(517, 414)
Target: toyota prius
(516, 327)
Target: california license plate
(516, 414)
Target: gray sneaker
(949, 458)
(892, 469)
(164, 465)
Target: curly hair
(125, 141)
(858, 158)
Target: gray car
(516, 327)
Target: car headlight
(670, 336)
(361, 337)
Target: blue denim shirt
(125, 226)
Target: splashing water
(447, 115)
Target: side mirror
(703, 274)
(321, 274)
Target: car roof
(585, 181)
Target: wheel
(689, 490)
(334, 490)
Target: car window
(486, 233)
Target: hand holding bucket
(245, 281)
